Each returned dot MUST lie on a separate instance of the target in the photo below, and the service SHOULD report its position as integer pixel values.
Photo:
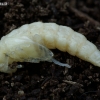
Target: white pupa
(31, 43)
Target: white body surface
(31, 43)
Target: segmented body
(31, 43)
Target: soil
(44, 80)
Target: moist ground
(47, 81)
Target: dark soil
(47, 81)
